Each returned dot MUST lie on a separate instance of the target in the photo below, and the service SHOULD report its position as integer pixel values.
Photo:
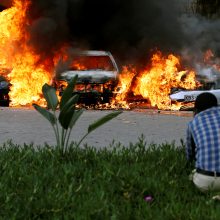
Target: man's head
(204, 101)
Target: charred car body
(4, 89)
(97, 76)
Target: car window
(91, 63)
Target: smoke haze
(130, 29)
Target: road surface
(25, 125)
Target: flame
(78, 66)
(9, 32)
(210, 60)
(208, 56)
(155, 82)
(123, 87)
(125, 80)
(27, 75)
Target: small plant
(68, 115)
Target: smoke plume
(130, 29)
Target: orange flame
(155, 82)
(27, 76)
(210, 60)
(78, 66)
(123, 87)
(125, 80)
(208, 56)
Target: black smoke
(48, 26)
(2, 8)
(130, 29)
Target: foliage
(68, 115)
(133, 182)
(207, 8)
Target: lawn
(132, 182)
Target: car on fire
(189, 96)
(4, 92)
(97, 76)
(208, 78)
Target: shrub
(68, 115)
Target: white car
(190, 96)
(91, 66)
(97, 75)
(210, 82)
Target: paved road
(24, 125)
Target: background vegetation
(207, 8)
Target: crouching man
(203, 143)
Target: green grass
(100, 184)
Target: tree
(207, 8)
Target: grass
(100, 184)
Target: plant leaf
(103, 120)
(68, 92)
(50, 96)
(48, 115)
(75, 117)
(67, 111)
(66, 118)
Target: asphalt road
(25, 125)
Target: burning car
(208, 78)
(189, 96)
(97, 76)
(4, 90)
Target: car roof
(94, 53)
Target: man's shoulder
(213, 112)
(210, 111)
